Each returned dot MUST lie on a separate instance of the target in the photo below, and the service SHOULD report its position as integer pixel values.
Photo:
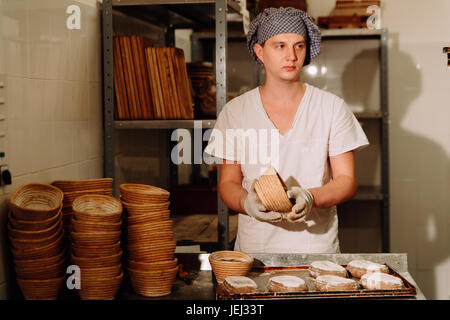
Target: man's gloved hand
(254, 208)
(304, 201)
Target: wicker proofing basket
(97, 262)
(150, 237)
(48, 271)
(37, 263)
(82, 185)
(100, 288)
(95, 237)
(34, 234)
(143, 194)
(31, 225)
(153, 266)
(86, 226)
(230, 263)
(103, 272)
(96, 251)
(148, 217)
(97, 208)
(36, 201)
(19, 243)
(47, 289)
(138, 209)
(155, 283)
(49, 250)
(70, 197)
(152, 252)
(143, 228)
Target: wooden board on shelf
(186, 88)
(129, 76)
(142, 80)
(121, 109)
(178, 84)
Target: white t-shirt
(323, 126)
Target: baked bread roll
(321, 268)
(358, 268)
(381, 281)
(335, 283)
(239, 284)
(286, 283)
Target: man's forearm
(233, 195)
(334, 192)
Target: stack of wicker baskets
(36, 238)
(150, 239)
(95, 245)
(75, 188)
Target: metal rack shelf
(201, 123)
(176, 14)
(172, 14)
(164, 124)
(330, 33)
(204, 15)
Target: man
(316, 137)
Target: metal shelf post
(108, 89)
(221, 95)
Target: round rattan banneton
(32, 225)
(36, 202)
(143, 194)
(97, 208)
(230, 263)
(47, 289)
(152, 283)
(82, 185)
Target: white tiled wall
(54, 98)
(419, 98)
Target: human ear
(258, 51)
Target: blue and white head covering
(273, 21)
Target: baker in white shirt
(307, 134)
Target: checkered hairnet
(273, 21)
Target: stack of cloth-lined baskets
(36, 234)
(152, 267)
(96, 246)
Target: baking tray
(262, 274)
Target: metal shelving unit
(172, 14)
(190, 13)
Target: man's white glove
(304, 201)
(254, 208)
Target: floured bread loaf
(358, 268)
(271, 190)
(335, 283)
(381, 281)
(321, 268)
(239, 284)
(286, 283)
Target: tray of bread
(322, 279)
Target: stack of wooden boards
(348, 14)
(150, 83)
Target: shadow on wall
(419, 198)
(418, 183)
(361, 88)
(419, 167)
